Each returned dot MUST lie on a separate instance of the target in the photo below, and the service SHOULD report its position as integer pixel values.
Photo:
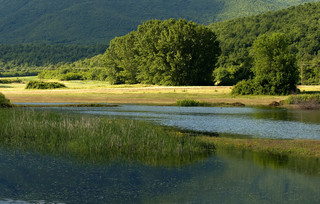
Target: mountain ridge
(99, 21)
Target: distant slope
(300, 23)
(99, 21)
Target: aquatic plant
(306, 101)
(97, 138)
(44, 85)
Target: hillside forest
(235, 38)
(99, 21)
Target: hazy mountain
(98, 21)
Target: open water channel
(224, 177)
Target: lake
(224, 177)
(277, 123)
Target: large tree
(170, 52)
(275, 68)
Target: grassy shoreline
(100, 92)
(97, 139)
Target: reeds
(97, 138)
(305, 101)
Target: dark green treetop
(169, 52)
(275, 68)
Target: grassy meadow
(102, 92)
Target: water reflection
(223, 178)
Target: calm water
(249, 122)
(226, 177)
(223, 178)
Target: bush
(191, 102)
(44, 85)
(71, 76)
(244, 88)
(10, 81)
(4, 102)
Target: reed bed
(97, 139)
(305, 101)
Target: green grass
(97, 139)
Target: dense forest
(300, 23)
(29, 59)
(99, 21)
(236, 37)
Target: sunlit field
(103, 92)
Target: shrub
(10, 81)
(244, 88)
(4, 102)
(71, 76)
(44, 85)
(191, 102)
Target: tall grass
(306, 101)
(97, 138)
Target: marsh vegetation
(97, 138)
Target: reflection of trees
(307, 166)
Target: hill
(236, 36)
(99, 21)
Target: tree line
(169, 52)
(29, 59)
(300, 23)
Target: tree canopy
(274, 68)
(300, 23)
(169, 52)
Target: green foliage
(275, 70)
(305, 101)
(245, 87)
(191, 102)
(170, 52)
(236, 37)
(87, 69)
(4, 102)
(96, 138)
(30, 59)
(44, 85)
(99, 21)
(303, 98)
(10, 81)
